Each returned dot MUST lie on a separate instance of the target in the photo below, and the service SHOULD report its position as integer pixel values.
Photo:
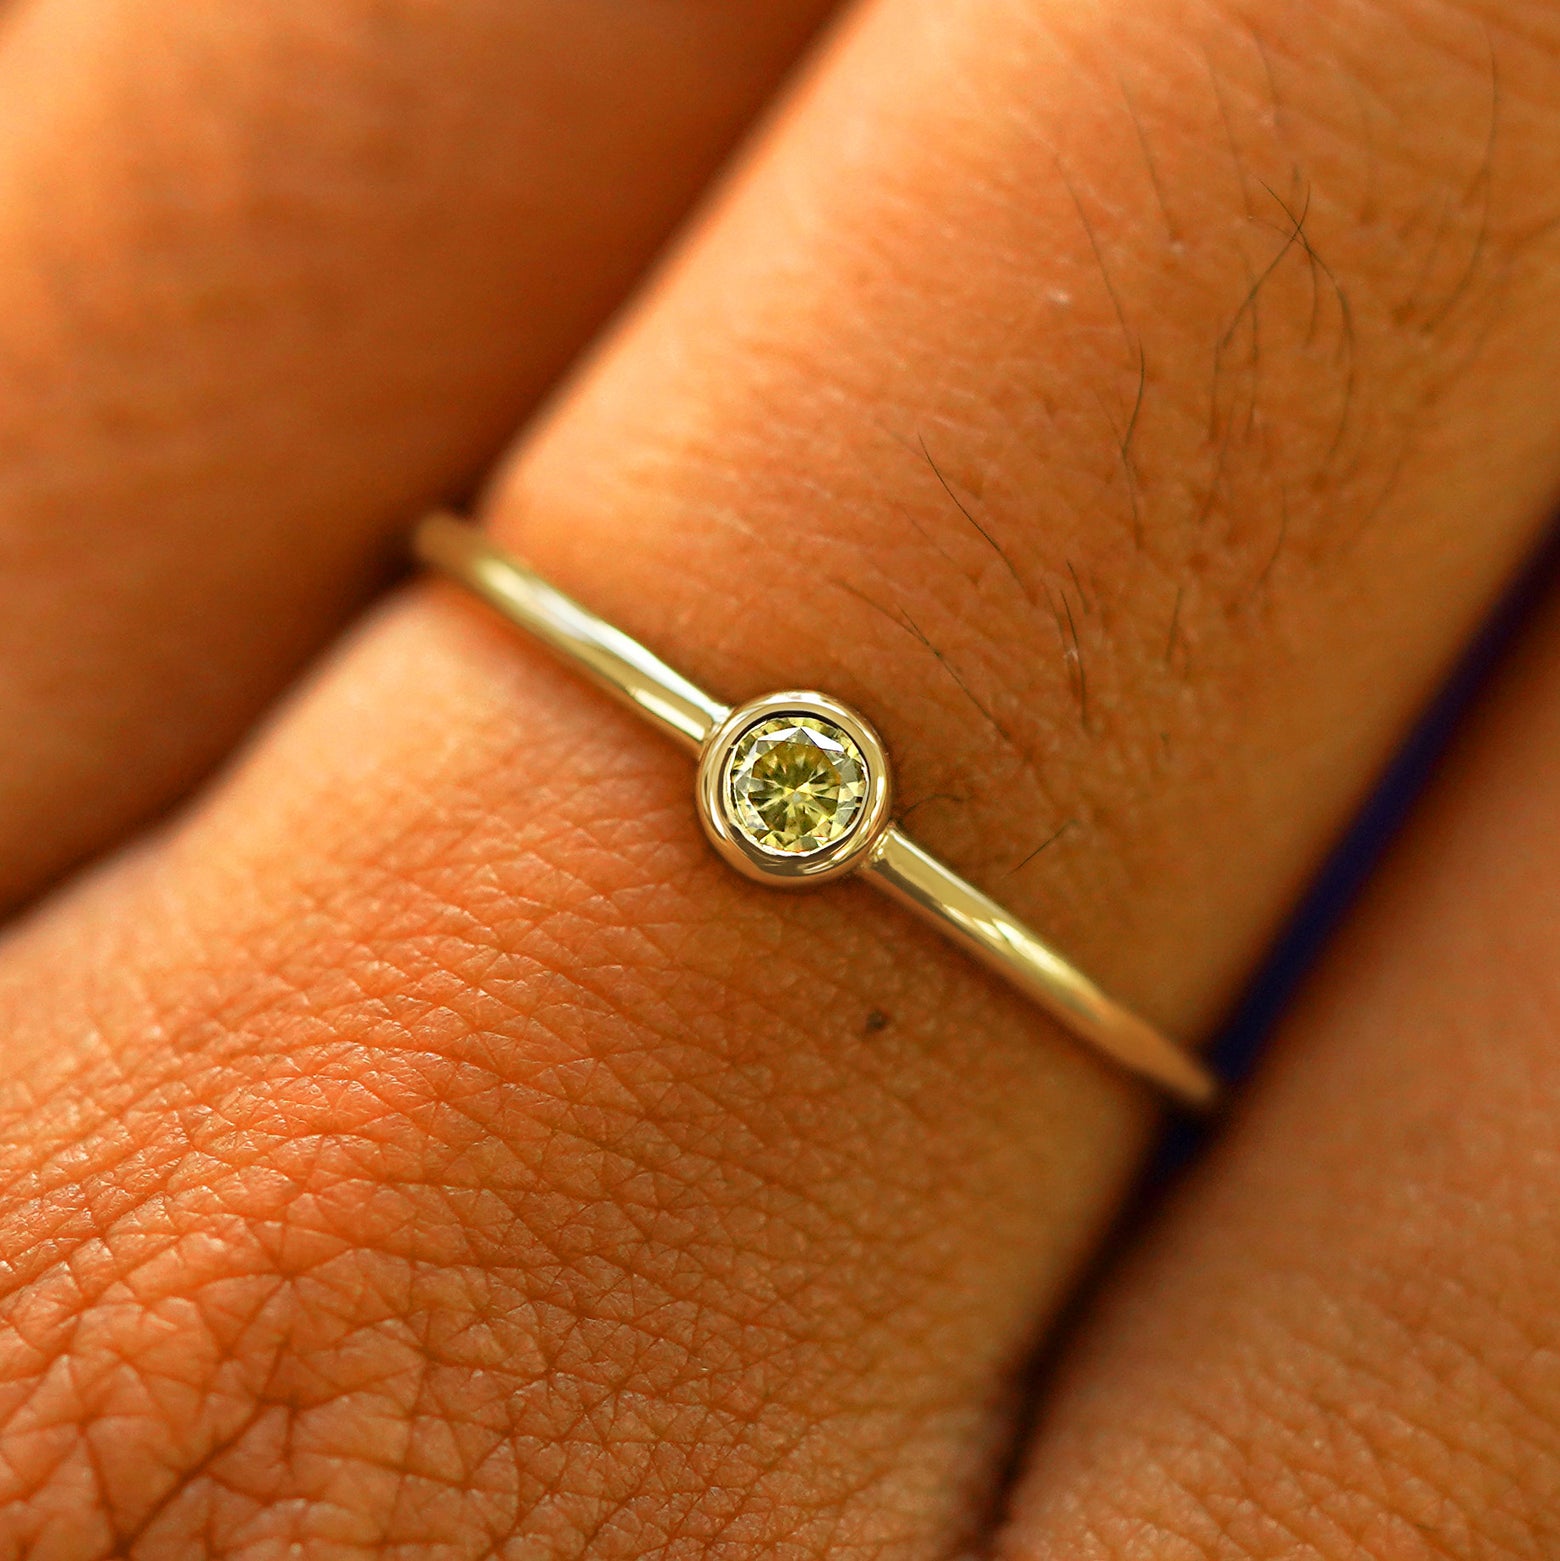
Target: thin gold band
(878, 850)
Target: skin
(274, 277)
(1341, 1342)
(423, 1148)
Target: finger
(482, 1161)
(1341, 1341)
(269, 277)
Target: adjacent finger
(1341, 1342)
(270, 276)
(429, 1145)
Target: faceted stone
(797, 784)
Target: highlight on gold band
(795, 789)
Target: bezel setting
(796, 804)
(717, 808)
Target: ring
(795, 789)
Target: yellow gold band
(804, 735)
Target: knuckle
(460, 1215)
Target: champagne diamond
(797, 784)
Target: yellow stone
(797, 784)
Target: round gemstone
(797, 784)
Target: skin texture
(271, 278)
(423, 1148)
(1342, 1342)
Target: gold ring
(796, 789)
